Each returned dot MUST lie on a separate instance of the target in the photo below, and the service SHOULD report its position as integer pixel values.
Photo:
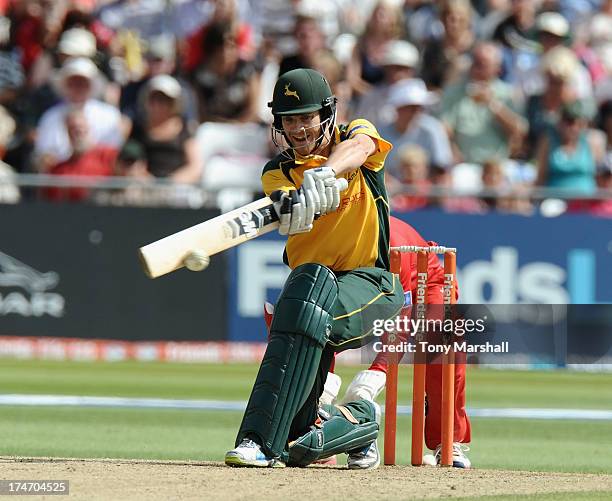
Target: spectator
(11, 71)
(399, 62)
(9, 193)
(160, 59)
(605, 123)
(568, 154)
(87, 158)
(227, 86)
(77, 80)
(196, 50)
(518, 36)
(442, 182)
(167, 138)
(310, 42)
(553, 33)
(480, 112)
(422, 21)
(413, 171)
(415, 126)
(447, 58)
(600, 207)
(517, 31)
(543, 110)
(365, 66)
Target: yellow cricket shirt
(357, 234)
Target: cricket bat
(208, 238)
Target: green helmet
(300, 91)
(303, 91)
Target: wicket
(420, 366)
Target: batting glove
(322, 189)
(295, 212)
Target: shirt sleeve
(273, 179)
(376, 160)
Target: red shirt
(98, 161)
(404, 234)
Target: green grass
(485, 388)
(519, 444)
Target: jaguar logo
(291, 92)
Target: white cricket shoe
(460, 460)
(366, 385)
(369, 456)
(249, 453)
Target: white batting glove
(295, 212)
(322, 189)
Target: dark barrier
(501, 259)
(72, 271)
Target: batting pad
(341, 429)
(299, 332)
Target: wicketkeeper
(329, 192)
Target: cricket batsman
(328, 188)
(369, 383)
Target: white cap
(77, 42)
(411, 92)
(166, 85)
(400, 53)
(553, 22)
(79, 66)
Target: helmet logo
(291, 92)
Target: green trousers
(363, 294)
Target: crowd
(499, 95)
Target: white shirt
(104, 128)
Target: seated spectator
(553, 32)
(167, 138)
(568, 153)
(480, 112)
(11, 71)
(364, 69)
(605, 123)
(87, 158)
(226, 85)
(543, 110)
(413, 174)
(310, 45)
(9, 193)
(195, 49)
(77, 80)
(413, 125)
(447, 58)
(160, 59)
(517, 35)
(399, 62)
(601, 207)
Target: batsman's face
(302, 131)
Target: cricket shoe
(369, 456)
(249, 453)
(460, 460)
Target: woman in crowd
(364, 69)
(227, 86)
(168, 141)
(448, 57)
(568, 154)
